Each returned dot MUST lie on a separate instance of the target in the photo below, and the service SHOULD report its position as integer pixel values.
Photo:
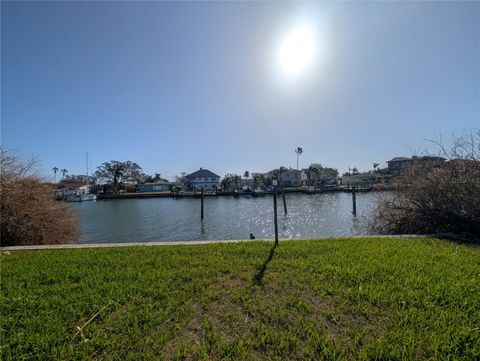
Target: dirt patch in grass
(216, 319)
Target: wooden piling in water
(275, 213)
(284, 202)
(354, 201)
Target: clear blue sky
(178, 86)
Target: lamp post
(298, 152)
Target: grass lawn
(353, 299)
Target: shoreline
(101, 196)
(187, 243)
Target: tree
(236, 180)
(316, 170)
(77, 178)
(116, 173)
(230, 181)
(30, 215)
(281, 171)
(64, 171)
(55, 170)
(320, 173)
(436, 197)
(258, 180)
(246, 174)
(182, 180)
(157, 177)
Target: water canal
(167, 219)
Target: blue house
(155, 187)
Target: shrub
(29, 213)
(441, 198)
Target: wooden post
(201, 196)
(354, 201)
(275, 213)
(284, 202)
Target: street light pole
(299, 152)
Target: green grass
(354, 299)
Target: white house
(289, 177)
(203, 178)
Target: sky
(176, 86)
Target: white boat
(88, 197)
(81, 198)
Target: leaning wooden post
(354, 201)
(275, 212)
(201, 196)
(284, 202)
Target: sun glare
(297, 51)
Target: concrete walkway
(111, 245)
(180, 243)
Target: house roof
(425, 157)
(160, 183)
(399, 159)
(202, 173)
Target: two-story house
(203, 178)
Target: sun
(297, 51)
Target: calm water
(166, 219)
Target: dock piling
(275, 213)
(354, 201)
(201, 196)
(284, 202)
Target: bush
(436, 199)
(29, 213)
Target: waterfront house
(289, 177)
(203, 178)
(293, 177)
(162, 186)
(398, 164)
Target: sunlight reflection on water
(166, 219)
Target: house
(325, 177)
(398, 164)
(72, 189)
(202, 178)
(162, 186)
(293, 177)
(288, 177)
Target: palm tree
(64, 171)
(236, 179)
(55, 170)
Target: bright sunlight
(297, 51)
